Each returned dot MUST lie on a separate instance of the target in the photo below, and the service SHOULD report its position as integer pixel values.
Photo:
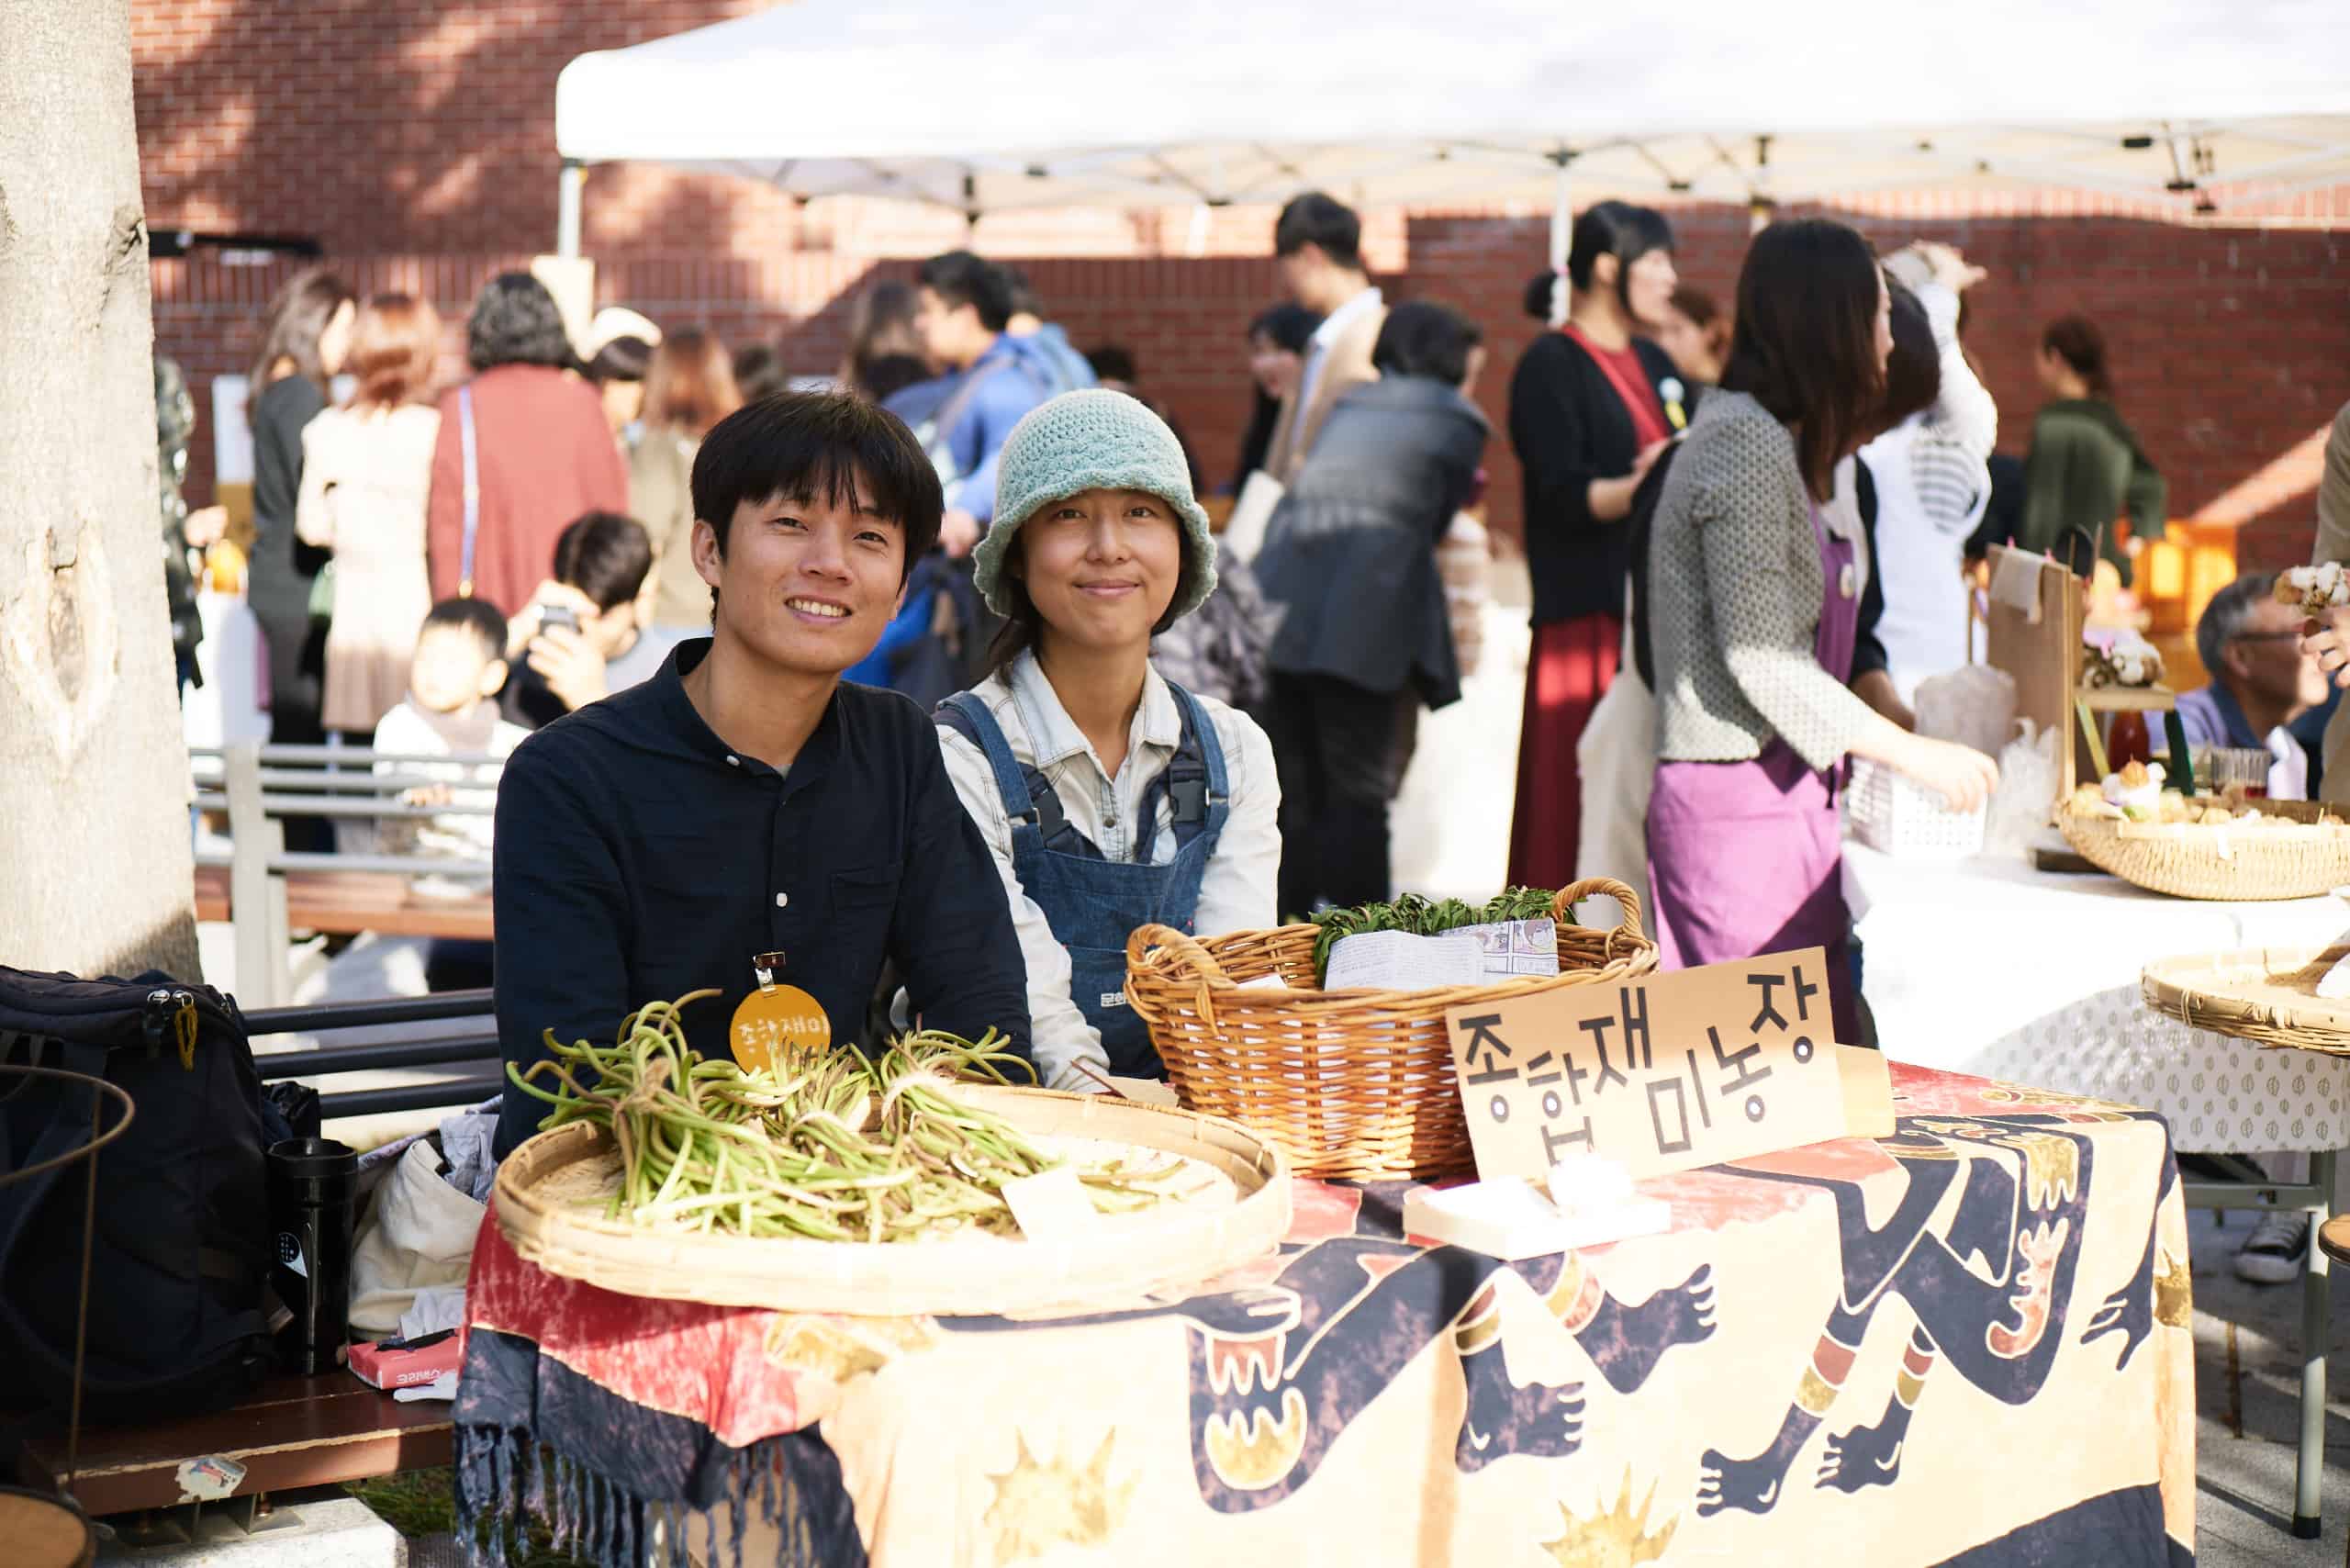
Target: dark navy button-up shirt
(638, 858)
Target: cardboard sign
(1665, 1073)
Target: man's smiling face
(807, 583)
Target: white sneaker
(2272, 1254)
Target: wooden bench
(266, 893)
(298, 1431)
(346, 903)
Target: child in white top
(450, 710)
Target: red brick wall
(416, 142)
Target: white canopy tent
(985, 105)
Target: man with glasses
(2263, 683)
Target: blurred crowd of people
(550, 486)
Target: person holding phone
(582, 636)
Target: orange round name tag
(775, 1022)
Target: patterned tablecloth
(1962, 1344)
(1989, 967)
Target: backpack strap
(473, 490)
(1030, 801)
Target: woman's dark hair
(2077, 340)
(880, 326)
(1018, 292)
(960, 278)
(1422, 338)
(1805, 346)
(1615, 229)
(691, 385)
(1322, 221)
(622, 359)
(1112, 361)
(605, 556)
(1023, 627)
(1705, 313)
(515, 322)
(1541, 293)
(759, 372)
(885, 377)
(1289, 326)
(1913, 372)
(395, 342)
(297, 318)
(804, 445)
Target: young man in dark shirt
(744, 801)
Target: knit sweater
(1736, 586)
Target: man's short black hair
(477, 616)
(959, 277)
(605, 556)
(1422, 338)
(1315, 218)
(817, 446)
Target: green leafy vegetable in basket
(832, 1145)
(1424, 917)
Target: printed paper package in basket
(1353, 1084)
(1894, 814)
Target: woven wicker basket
(1353, 1083)
(2184, 860)
(2267, 996)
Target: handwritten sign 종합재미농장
(1665, 1072)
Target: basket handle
(1562, 907)
(1186, 955)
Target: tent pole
(1562, 212)
(569, 187)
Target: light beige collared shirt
(1238, 891)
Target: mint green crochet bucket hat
(1092, 441)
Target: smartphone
(561, 615)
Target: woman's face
(1274, 366)
(334, 338)
(1685, 342)
(1648, 287)
(1883, 326)
(1102, 566)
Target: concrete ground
(2247, 1395)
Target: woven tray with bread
(2227, 847)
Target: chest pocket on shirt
(864, 890)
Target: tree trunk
(94, 869)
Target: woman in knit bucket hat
(1110, 797)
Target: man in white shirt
(1317, 247)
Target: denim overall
(1093, 903)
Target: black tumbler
(312, 1183)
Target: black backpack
(179, 1269)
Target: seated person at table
(2262, 682)
(744, 801)
(1110, 797)
(584, 636)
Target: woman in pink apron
(1754, 606)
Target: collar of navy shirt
(659, 717)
